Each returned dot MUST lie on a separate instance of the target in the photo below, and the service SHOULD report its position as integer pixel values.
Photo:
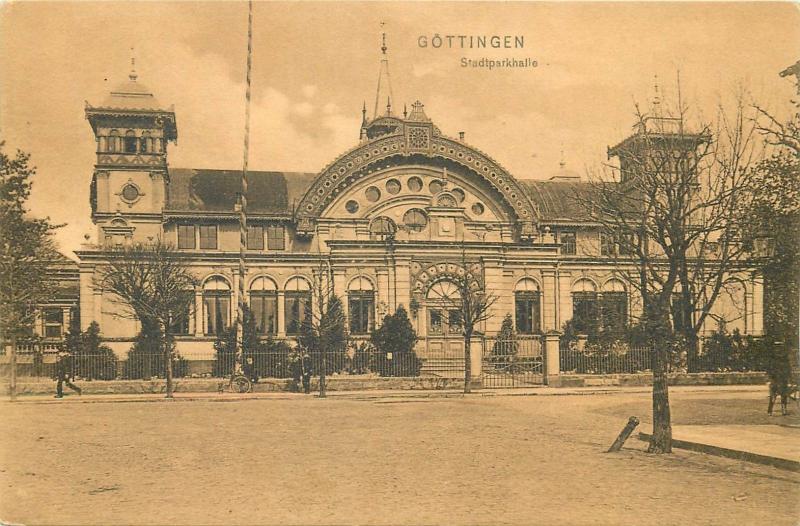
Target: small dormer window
(130, 141)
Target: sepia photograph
(410, 263)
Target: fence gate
(512, 363)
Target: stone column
(549, 300)
(67, 319)
(198, 312)
(493, 284)
(552, 369)
(97, 315)
(476, 360)
(403, 283)
(281, 314)
(757, 324)
(86, 296)
(564, 298)
(383, 290)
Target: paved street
(491, 460)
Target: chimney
(461, 136)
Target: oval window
(130, 193)
(459, 194)
(414, 184)
(351, 206)
(373, 194)
(477, 209)
(415, 220)
(393, 186)
(435, 187)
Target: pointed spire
(388, 106)
(656, 98)
(562, 163)
(384, 90)
(132, 75)
(405, 111)
(364, 114)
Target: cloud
(309, 91)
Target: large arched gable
(415, 142)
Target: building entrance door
(444, 352)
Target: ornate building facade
(395, 216)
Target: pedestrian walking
(64, 374)
(779, 371)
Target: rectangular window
(454, 323)
(217, 308)
(568, 243)
(255, 237)
(606, 244)
(585, 312)
(208, 236)
(527, 312)
(435, 322)
(275, 238)
(264, 306)
(361, 307)
(298, 311)
(186, 236)
(53, 322)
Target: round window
(459, 194)
(435, 187)
(373, 194)
(414, 184)
(351, 206)
(393, 186)
(130, 193)
(415, 220)
(477, 209)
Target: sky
(315, 64)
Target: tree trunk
(12, 384)
(661, 441)
(167, 359)
(467, 363)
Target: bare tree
(26, 251)
(671, 218)
(152, 283)
(468, 297)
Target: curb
(777, 462)
(347, 395)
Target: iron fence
(614, 360)
(517, 362)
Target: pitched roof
(198, 190)
(560, 200)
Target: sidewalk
(773, 444)
(375, 394)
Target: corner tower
(132, 130)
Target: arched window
(297, 304)
(614, 306)
(264, 305)
(113, 141)
(527, 306)
(585, 307)
(130, 142)
(361, 305)
(415, 220)
(382, 227)
(217, 305)
(444, 309)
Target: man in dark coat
(305, 370)
(63, 371)
(779, 371)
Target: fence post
(552, 369)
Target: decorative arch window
(297, 298)
(382, 227)
(415, 220)
(444, 310)
(361, 305)
(113, 141)
(217, 305)
(446, 201)
(264, 305)
(614, 306)
(527, 306)
(585, 307)
(130, 142)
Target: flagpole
(238, 368)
